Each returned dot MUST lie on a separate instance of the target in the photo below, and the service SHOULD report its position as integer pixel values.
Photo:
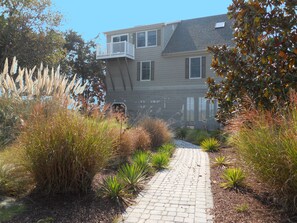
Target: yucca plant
(233, 177)
(210, 145)
(221, 161)
(132, 177)
(160, 160)
(113, 189)
(142, 159)
(167, 148)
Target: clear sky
(91, 17)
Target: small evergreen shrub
(233, 178)
(160, 160)
(210, 145)
(111, 188)
(167, 148)
(196, 136)
(181, 133)
(221, 161)
(142, 159)
(132, 176)
(158, 131)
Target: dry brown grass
(158, 131)
(142, 140)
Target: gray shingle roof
(197, 34)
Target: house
(160, 70)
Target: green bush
(196, 136)
(233, 178)
(160, 160)
(167, 148)
(210, 145)
(15, 180)
(142, 159)
(181, 133)
(66, 150)
(132, 176)
(221, 161)
(267, 143)
(158, 131)
(111, 188)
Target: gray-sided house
(160, 70)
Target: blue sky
(91, 17)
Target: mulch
(254, 196)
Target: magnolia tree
(261, 66)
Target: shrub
(233, 178)
(267, 143)
(158, 131)
(65, 150)
(142, 159)
(15, 180)
(142, 140)
(160, 160)
(167, 148)
(221, 161)
(210, 145)
(196, 136)
(111, 188)
(126, 145)
(181, 133)
(132, 176)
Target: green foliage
(66, 150)
(15, 180)
(181, 133)
(160, 160)
(233, 178)
(111, 188)
(142, 159)
(33, 23)
(210, 145)
(261, 67)
(242, 208)
(196, 136)
(158, 131)
(267, 143)
(221, 161)
(132, 176)
(7, 213)
(168, 148)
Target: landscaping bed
(252, 203)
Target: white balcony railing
(115, 50)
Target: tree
(27, 31)
(81, 61)
(262, 63)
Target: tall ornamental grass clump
(65, 150)
(158, 131)
(268, 144)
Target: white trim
(145, 61)
(146, 38)
(190, 59)
(125, 34)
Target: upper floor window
(146, 38)
(119, 38)
(195, 67)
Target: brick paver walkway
(182, 193)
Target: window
(202, 109)
(195, 67)
(146, 38)
(145, 70)
(212, 109)
(119, 38)
(190, 109)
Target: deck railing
(117, 49)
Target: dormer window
(119, 38)
(146, 39)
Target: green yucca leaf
(132, 176)
(160, 160)
(233, 178)
(210, 145)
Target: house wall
(165, 96)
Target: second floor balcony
(116, 50)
